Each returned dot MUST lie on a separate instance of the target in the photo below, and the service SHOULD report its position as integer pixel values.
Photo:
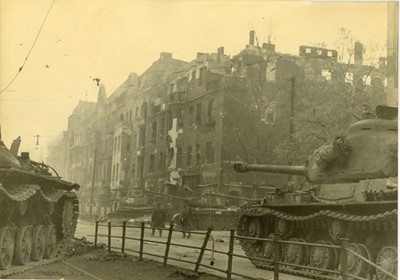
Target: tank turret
(369, 151)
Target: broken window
(326, 74)
(179, 157)
(349, 78)
(152, 162)
(161, 163)
(171, 153)
(308, 50)
(162, 127)
(189, 156)
(191, 113)
(154, 130)
(198, 157)
(319, 52)
(269, 113)
(181, 118)
(211, 110)
(199, 114)
(210, 153)
(270, 72)
(367, 80)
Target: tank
(350, 191)
(135, 206)
(206, 211)
(38, 210)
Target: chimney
(269, 47)
(165, 55)
(220, 51)
(358, 53)
(251, 40)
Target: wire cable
(33, 45)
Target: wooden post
(230, 256)
(123, 237)
(277, 256)
(202, 249)
(168, 244)
(96, 231)
(109, 237)
(141, 241)
(343, 258)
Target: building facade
(180, 124)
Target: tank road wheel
(357, 266)
(284, 227)
(268, 250)
(295, 253)
(335, 229)
(38, 243)
(387, 260)
(322, 257)
(6, 247)
(23, 245)
(51, 242)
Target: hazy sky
(84, 39)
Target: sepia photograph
(204, 139)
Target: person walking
(186, 221)
(158, 218)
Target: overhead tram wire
(33, 45)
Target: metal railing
(275, 263)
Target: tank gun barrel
(233, 197)
(283, 169)
(167, 195)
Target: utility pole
(291, 117)
(93, 179)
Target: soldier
(186, 221)
(158, 219)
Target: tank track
(24, 192)
(318, 220)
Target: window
(270, 71)
(154, 130)
(319, 52)
(201, 75)
(170, 156)
(348, 78)
(199, 114)
(179, 157)
(211, 110)
(181, 118)
(152, 162)
(161, 163)
(367, 80)
(191, 113)
(189, 156)
(162, 127)
(210, 153)
(130, 115)
(115, 143)
(198, 158)
(113, 174)
(116, 172)
(329, 54)
(308, 50)
(269, 113)
(326, 74)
